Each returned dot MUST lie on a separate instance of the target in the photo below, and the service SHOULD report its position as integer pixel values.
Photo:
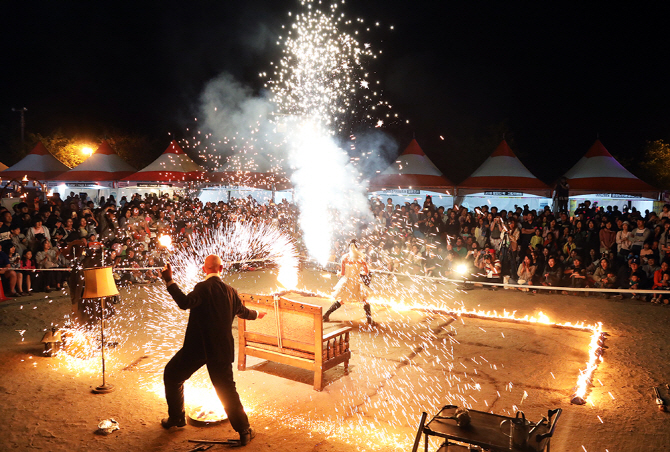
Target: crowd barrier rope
(465, 280)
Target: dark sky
(550, 76)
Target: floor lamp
(99, 283)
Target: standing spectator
(513, 235)
(623, 240)
(561, 195)
(537, 239)
(664, 242)
(482, 233)
(639, 235)
(453, 226)
(496, 233)
(592, 237)
(607, 238)
(28, 268)
(19, 240)
(47, 258)
(527, 233)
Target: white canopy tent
(504, 182)
(411, 177)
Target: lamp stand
(104, 388)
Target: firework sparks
(239, 244)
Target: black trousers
(184, 364)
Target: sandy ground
(412, 361)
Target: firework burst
(322, 75)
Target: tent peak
(105, 149)
(503, 149)
(39, 149)
(413, 148)
(174, 148)
(597, 150)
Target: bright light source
(87, 150)
(165, 241)
(462, 269)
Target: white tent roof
(103, 165)
(503, 171)
(38, 165)
(599, 172)
(173, 165)
(412, 169)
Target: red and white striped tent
(599, 172)
(173, 165)
(38, 165)
(411, 170)
(103, 165)
(502, 173)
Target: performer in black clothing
(208, 340)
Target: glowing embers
(595, 349)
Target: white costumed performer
(350, 287)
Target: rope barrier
(128, 269)
(465, 280)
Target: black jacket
(213, 306)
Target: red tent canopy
(38, 165)
(412, 169)
(103, 165)
(503, 171)
(173, 165)
(599, 172)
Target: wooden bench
(291, 333)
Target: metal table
(484, 431)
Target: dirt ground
(413, 360)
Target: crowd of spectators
(595, 247)
(124, 234)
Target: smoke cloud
(329, 184)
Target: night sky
(551, 77)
